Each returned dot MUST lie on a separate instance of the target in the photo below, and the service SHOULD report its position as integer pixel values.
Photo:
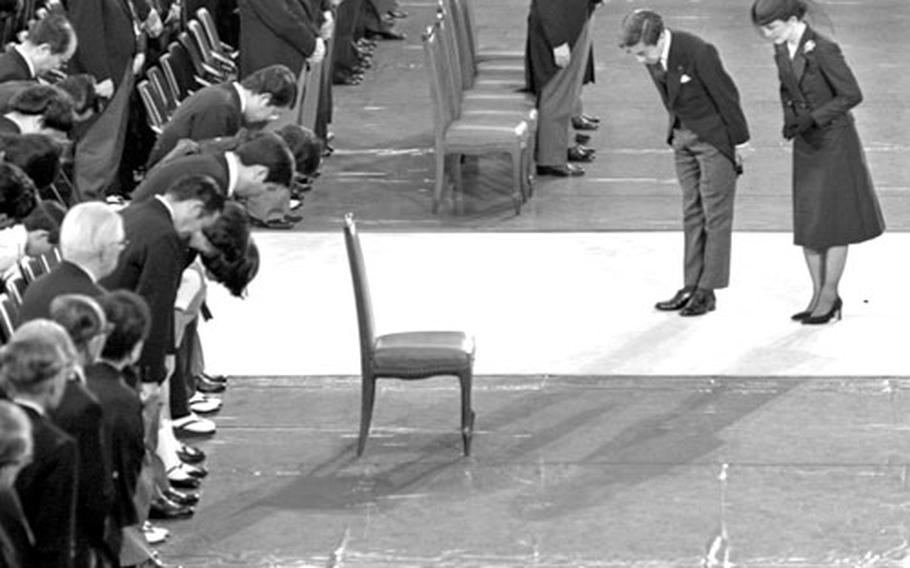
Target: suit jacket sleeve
(158, 280)
(840, 78)
(288, 21)
(723, 92)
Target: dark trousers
(708, 182)
(344, 56)
(183, 384)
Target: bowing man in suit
(50, 43)
(706, 128)
(153, 261)
(91, 238)
(222, 110)
(34, 367)
(555, 57)
(834, 202)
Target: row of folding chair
(30, 269)
(480, 119)
(197, 59)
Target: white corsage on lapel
(808, 47)
(684, 78)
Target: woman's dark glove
(801, 124)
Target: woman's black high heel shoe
(800, 316)
(825, 318)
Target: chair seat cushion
(486, 134)
(420, 354)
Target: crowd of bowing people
(103, 384)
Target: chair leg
(440, 178)
(367, 396)
(517, 183)
(467, 413)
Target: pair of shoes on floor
(154, 534)
(689, 302)
(193, 425)
(185, 498)
(384, 34)
(207, 384)
(582, 139)
(350, 78)
(585, 122)
(201, 403)
(567, 170)
(186, 476)
(190, 454)
(579, 153)
(163, 509)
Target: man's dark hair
(306, 147)
(81, 87)
(270, 150)
(234, 275)
(18, 195)
(641, 26)
(36, 154)
(230, 233)
(275, 80)
(130, 318)
(80, 315)
(53, 104)
(47, 216)
(200, 187)
(54, 30)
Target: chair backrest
(163, 87)
(9, 317)
(211, 30)
(361, 290)
(192, 49)
(31, 268)
(440, 90)
(202, 40)
(180, 66)
(459, 37)
(154, 108)
(50, 259)
(15, 288)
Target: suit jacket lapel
(799, 60)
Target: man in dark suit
(706, 127)
(107, 39)
(221, 110)
(153, 261)
(285, 32)
(50, 43)
(241, 173)
(555, 58)
(91, 238)
(34, 369)
(40, 109)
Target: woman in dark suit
(834, 203)
(16, 542)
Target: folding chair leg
(517, 181)
(440, 179)
(467, 414)
(367, 397)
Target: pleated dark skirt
(834, 201)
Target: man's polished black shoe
(185, 483)
(190, 454)
(580, 123)
(181, 498)
(579, 153)
(568, 170)
(582, 138)
(206, 386)
(591, 118)
(164, 509)
(677, 302)
(384, 34)
(702, 302)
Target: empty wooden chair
(164, 89)
(209, 56)
(211, 31)
(9, 317)
(155, 112)
(407, 355)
